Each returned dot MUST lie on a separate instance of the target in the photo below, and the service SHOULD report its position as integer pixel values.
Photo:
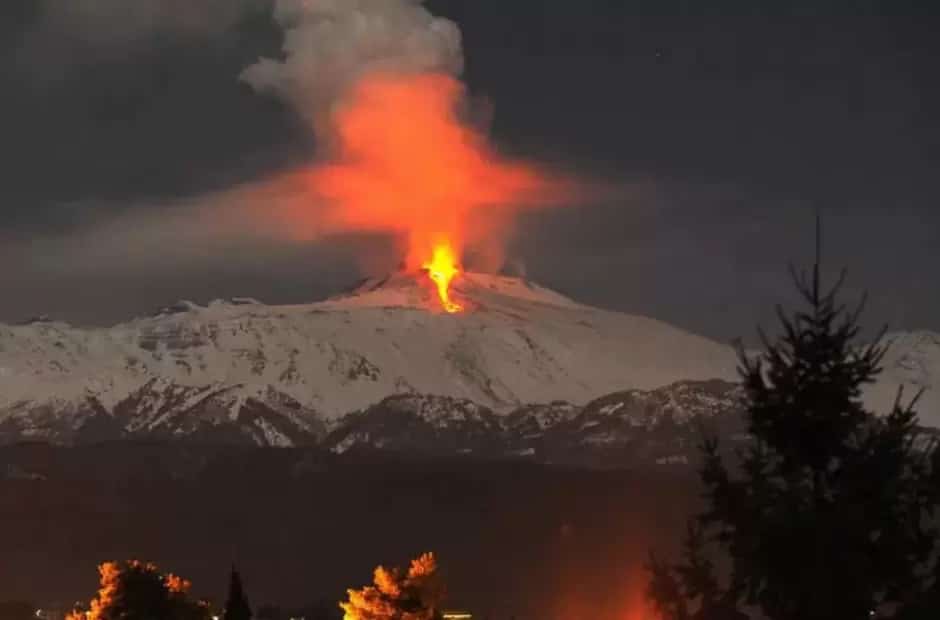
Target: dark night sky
(722, 133)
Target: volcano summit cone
(473, 291)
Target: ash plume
(330, 44)
(351, 70)
(401, 146)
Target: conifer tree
(829, 515)
(236, 604)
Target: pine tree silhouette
(236, 605)
(828, 516)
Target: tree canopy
(415, 594)
(134, 590)
(830, 511)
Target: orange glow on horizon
(442, 268)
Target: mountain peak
(515, 342)
(475, 291)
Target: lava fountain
(442, 268)
(399, 152)
(403, 161)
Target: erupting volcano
(403, 161)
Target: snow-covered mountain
(239, 370)
(191, 365)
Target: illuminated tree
(830, 514)
(398, 595)
(135, 590)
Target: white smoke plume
(329, 44)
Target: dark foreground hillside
(513, 538)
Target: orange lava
(442, 268)
(403, 161)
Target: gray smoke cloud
(329, 44)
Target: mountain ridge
(241, 371)
(517, 343)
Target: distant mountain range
(523, 372)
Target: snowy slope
(516, 343)
(278, 375)
(634, 427)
